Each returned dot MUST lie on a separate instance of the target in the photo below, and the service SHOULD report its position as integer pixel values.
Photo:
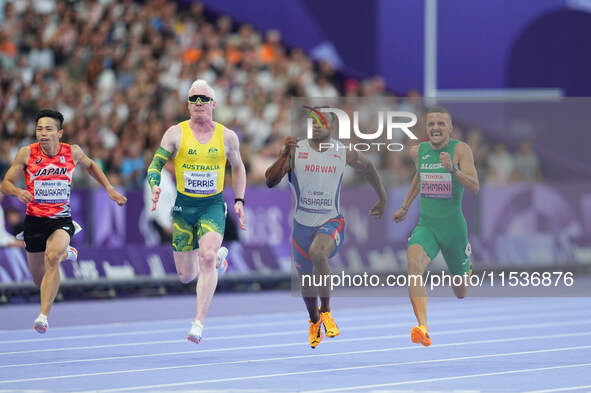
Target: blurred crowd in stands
(120, 71)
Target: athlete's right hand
(289, 145)
(155, 196)
(399, 215)
(25, 196)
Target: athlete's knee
(207, 258)
(415, 265)
(53, 258)
(461, 291)
(186, 276)
(319, 253)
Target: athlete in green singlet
(445, 166)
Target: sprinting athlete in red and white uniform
(49, 180)
(48, 166)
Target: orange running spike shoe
(330, 327)
(420, 334)
(315, 333)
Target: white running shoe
(222, 264)
(196, 332)
(40, 324)
(72, 254)
(77, 228)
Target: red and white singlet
(49, 180)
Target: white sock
(72, 256)
(198, 323)
(221, 256)
(42, 317)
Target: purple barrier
(519, 225)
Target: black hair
(439, 109)
(57, 116)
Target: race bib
(203, 183)
(51, 191)
(436, 185)
(316, 201)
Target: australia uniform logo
(212, 152)
(192, 151)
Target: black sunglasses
(200, 98)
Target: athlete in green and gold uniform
(199, 206)
(199, 148)
(445, 167)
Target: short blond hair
(201, 83)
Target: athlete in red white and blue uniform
(316, 175)
(49, 166)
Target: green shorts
(451, 236)
(193, 217)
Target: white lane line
(301, 357)
(298, 321)
(525, 370)
(220, 319)
(562, 389)
(371, 366)
(366, 315)
(300, 343)
(299, 331)
(443, 306)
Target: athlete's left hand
(114, 195)
(239, 210)
(445, 159)
(378, 210)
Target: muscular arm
(413, 191)
(360, 163)
(168, 147)
(232, 147)
(282, 165)
(467, 174)
(16, 169)
(400, 214)
(415, 185)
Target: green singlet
(441, 222)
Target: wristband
(404, 208)
(239, 200)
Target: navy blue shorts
(303, 236)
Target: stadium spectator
(501, 165)
(6, 239)
(117, 71)
(527, 163)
